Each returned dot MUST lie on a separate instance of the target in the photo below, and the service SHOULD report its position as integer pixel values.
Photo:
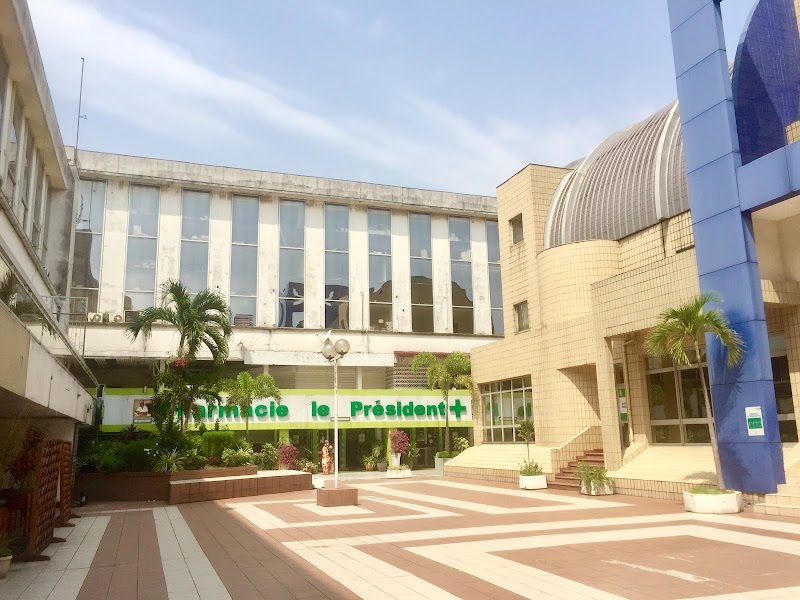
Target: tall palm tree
(451, 373)
(244, 389)
(686, 326)
(181, 388)
(201, 321)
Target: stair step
(782, 499)
(777, 510)
(790, 490)
(557, 485)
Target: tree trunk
(711, 429)
(247, 425)
(446, 421)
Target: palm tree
(687, 325)
(246, 388)
(180, 387)
(452, 373)
(202, 320)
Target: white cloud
(154, 83)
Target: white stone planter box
(605, 488)
(5, 564)
(532, 482)
(715, 504)
(398, 473)
(439, 464)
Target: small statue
(327, 458)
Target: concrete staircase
(785, 503)
(566, 479)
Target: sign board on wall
(755, 421)
(381, 409)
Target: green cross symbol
(458, 408)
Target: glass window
(493, 241)
(662, 396)
(463, 322)
(521, 312)
(380, 278)
(91, 206)
(495, 283)
(140, 274)
(143, 214)
(194, 266)
(86, 266)
(516, 229)
(195, 215)
(380, 316)
(495, 287)
(337, 276)
(422, 319)
(420, 235)
(694, 405)
(292, 224)
(380, 231)
(244, 270)
(10, 183)
(461, 275)
(337, 228)
(507, 403)
(460, 248)
(421, 281)
(242, 306)
(291, 273)
(244, 217)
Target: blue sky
(446, 94)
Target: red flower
(180, 363)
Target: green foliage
(202, 320)
(369, 461)
(105, 456)
(242, 444)
(243, 390)
(133, 433)
(529, 468)
(216, 442)
(179, 389)
(192, 459)
(443, 454)
(138, 455)
(267, 459)
(526, 432)
(706, 489)
(378, 452)
(591, 474)
(169, 462)
(236, 458)
(460, 444)
(5, 545)
(202, 428)
(412, 453)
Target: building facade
(592, 254)
(395, 271)
(43, 378)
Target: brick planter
(343, 496)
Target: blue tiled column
(726, 257)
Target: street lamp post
(334, 352)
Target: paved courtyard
(421, 538)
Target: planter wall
(533, 482)
(714, 504)
(439, 464)
(398, 473)
(605, 488)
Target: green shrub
(460, 444)
(138, 455)
(236, 458)
(267, 459)
(242, 444)
(443, 454)
(192, 460)
(590, 475)
(215, 443)
(705, 489)
(105, 456)
(529, 468)
(169, 462)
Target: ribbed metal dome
(631, 181)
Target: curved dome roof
(632, 180)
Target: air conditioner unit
(130, 315)
(95, 317)
(117, 319)
(241, 320)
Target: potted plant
(531, 476)
(398, 445)
(712, 500)
(594, 480)
(412, 453)
(370, 462)
(5, 554)
(440, 460)
(379, 454)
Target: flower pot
(597, 488)
(396, 460)
(714, 504)
(439, 464)
(532, 482)
(369, 467)
(398, 473)
(5, 564)
(382, 465)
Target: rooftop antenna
(80, 116)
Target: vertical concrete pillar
(401, 271)
(168, 263)
(359, 269)
(22, 141)
(219, 244)
(31, 192)
(115, 246)
(638, 398)
(315, 266)
(60, 237)
(482, 311)
(792, 335)
(268, 242)
(726, 256)
(442, 288)
(607, 401)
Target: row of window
(25, 184)
(140, 273)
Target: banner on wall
(312, 410)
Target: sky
(453, 95)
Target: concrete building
(593, 253)
(43, 378)
(393, 270)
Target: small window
(516, 229)
(521, 312)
